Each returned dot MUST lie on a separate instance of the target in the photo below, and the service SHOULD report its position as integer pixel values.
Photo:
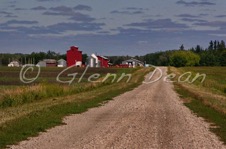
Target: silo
(93, 61)
(98, 64)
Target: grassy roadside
(204, 101)
(20, 95)
(50, 112)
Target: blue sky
(119, 27)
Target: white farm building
(133, 63)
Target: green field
(215, 77)
(207, 99)
(27, 109)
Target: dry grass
(87, 91)
(211, 91)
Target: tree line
(213, 55)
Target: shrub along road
(150, 116)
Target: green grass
(51, 114)
(215, 80)
(218, 119)
(39, 121)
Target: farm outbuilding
(74, 56)
(50, 62)
(61, 63)
(98, 61)
(14, 64)
(47, 63)
(41, 64)
(133, 63)
(103, 61)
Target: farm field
(208, 98)
(43, 104)
(215, 78)
(11, 75)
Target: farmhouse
(133, 63)
(74, 57)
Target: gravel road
(149, 117)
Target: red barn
(73, 56)
(103, 61)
